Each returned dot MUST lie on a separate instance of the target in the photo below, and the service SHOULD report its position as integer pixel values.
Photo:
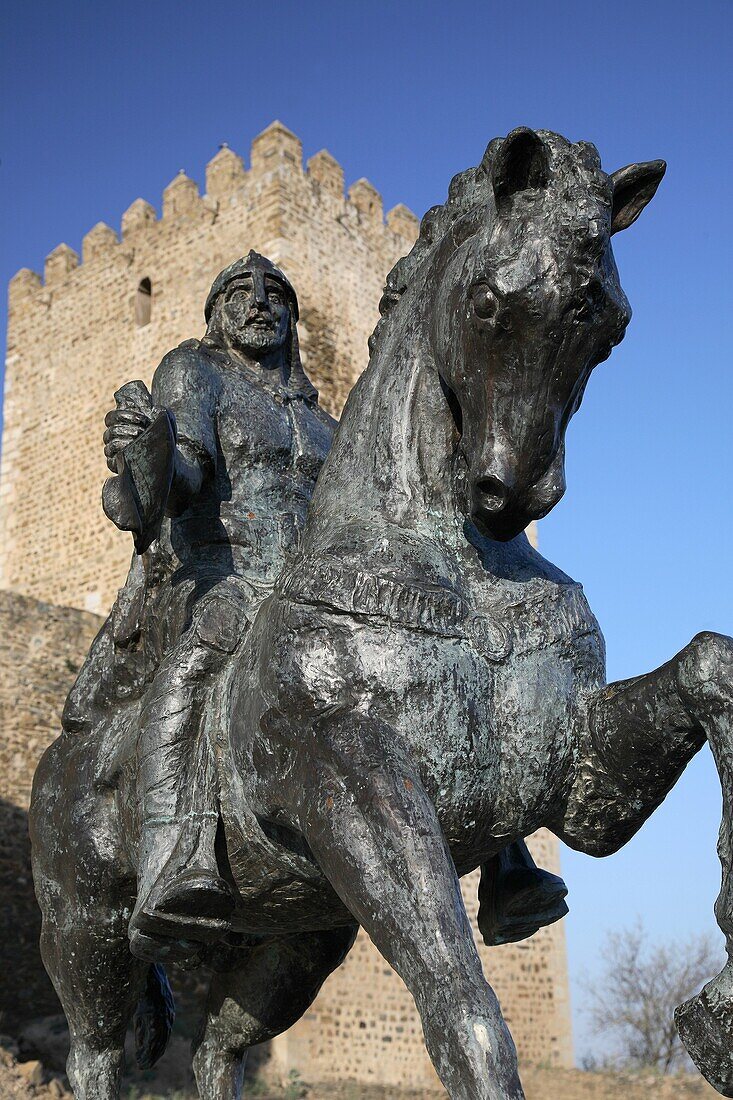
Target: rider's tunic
(261, 445)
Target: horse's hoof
(705, 1025)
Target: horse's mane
(471, 190)
(466, 191)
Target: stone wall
(41, 649)
(75, 337)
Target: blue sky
(102, 103)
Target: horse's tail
(154, 1018)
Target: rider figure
(249, 441)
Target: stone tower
(86, 328)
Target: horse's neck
(386, 500)
(391, 465)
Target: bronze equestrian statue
(415, 691)
(229, 445)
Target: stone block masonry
(73, 338)
(41, 650)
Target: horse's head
(526, 300)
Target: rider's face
(256, 314)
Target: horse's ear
(521, 163)
(633, 187)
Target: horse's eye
(484, 302)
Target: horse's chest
(490, 713)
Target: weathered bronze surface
(306, 715)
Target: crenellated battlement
(403, 223)
(181, 196)
(326, 173)
(23, 288)
(225, 173)
(140, 215)
(276, 145)
(98, 243)
(58, 264)
(367, 201)
(274, 152)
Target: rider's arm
(185, 384)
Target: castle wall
(41, 650)
(73, 339)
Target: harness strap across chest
(420, 607)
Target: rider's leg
(361, 806)
(261, 998)
(640, 735)
(178, 877)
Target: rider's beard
(257, 336)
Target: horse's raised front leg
(262, 996)
(361, 806)
(640, 735)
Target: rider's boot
(181, 894)
(516, 897)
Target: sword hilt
(135, 397)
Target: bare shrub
(631, 1004)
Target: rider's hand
(123, 426)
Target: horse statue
(421, 688)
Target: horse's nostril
(493, 493)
